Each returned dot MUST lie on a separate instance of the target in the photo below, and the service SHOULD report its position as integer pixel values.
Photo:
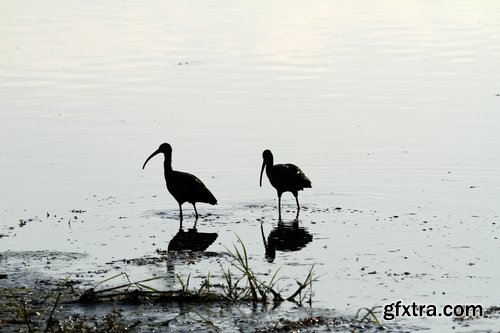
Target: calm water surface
(390, 108)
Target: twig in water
(307, 282)
(50, 319)
(25, 315)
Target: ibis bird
(183, 186)
(284, 178)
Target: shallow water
(389, 108)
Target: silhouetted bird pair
(186, 187)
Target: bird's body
(287, 178)
(284, 178)
(186, 187)
(183, 186)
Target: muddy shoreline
(36, 302)
(35, 297)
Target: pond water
(390, 108)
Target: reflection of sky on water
(389, 108)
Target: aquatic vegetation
(22, 311)
(40, 309)
(369, 316)
(245, 286)
(256, 287)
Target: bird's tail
(211, 199)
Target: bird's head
(164, 148)
(267, 156)
(268, 159)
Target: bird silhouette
(183, 186)
(284, 178)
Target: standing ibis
(284, 178)
(183, 186)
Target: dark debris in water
(49, 305)
(491, 312)
(136, 296)
(181, 257)
(286, 325)
(41, 310)
(47, 217)
(24, 222)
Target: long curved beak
(261, 172)
(150, 157)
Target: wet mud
(34, 300)
(56, 291)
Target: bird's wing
(197, 190)
(188, 178)
(292, 173)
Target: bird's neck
(167, 164)
(269, 166)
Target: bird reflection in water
(287, 236)
(191, 240)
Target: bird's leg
(295, 194)
(195, 211)
(279, 206)
(262, 232)
(180, 210)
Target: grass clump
(242, 286)
(44, 308)
(255, 288)
(370, 316)
(50, 306)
